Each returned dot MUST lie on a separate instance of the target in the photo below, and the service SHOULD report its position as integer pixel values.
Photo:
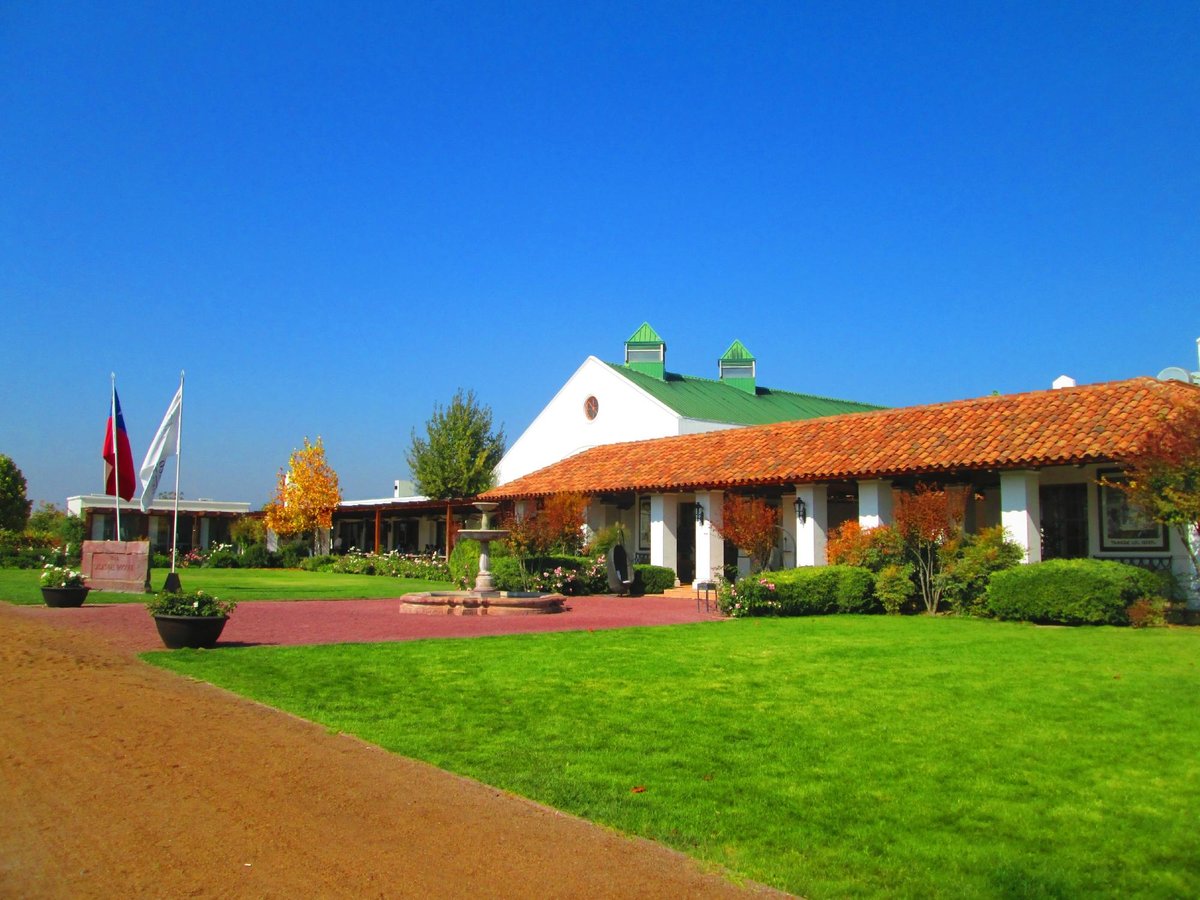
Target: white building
(636, 399)
(1033, 462)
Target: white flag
(164, 445)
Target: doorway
(1064, 521)
(685, 543)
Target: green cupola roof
(736, 368)
(646, 352)
(737, 352)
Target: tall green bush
(1071, 591)
(464, 561)
(966, 573)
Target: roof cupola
(646, 352)
(736, 368)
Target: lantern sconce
(699, 514)
(801, 510)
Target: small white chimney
(396, 489)
(1063, 381)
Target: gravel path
(119, 779)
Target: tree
(556, 528)
(247, 531)
(750, 523)
(305, 495)
(1164, 476)
(930, 521)
(14, 508)
(459, 454)
(47, 519)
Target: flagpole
(116, 457)
(178, 464)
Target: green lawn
(21, 585)
(835, 756)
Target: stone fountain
(484, 600)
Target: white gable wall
(561, 429)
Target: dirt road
(118, 779)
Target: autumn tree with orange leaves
(1164, 477)
(306, 494)
(930, 521)
(750, 524)
(555, 528)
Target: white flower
(195, 604)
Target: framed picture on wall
(644, 523)
(1122, 525)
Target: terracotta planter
(65, 596)
(189, 631)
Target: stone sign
(116, 565)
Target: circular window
(591, 406)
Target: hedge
(807, 591)
(1071, 591)
(651, 579)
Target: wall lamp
(801, 510)
(699, 514)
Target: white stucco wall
(561, 429)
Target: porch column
(810, 533)
(710, 547)
(874, 503)
(664, 516)
(1021, 512)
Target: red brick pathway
(128, 626)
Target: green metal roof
(712, 401)
(737, 352)
(645, 335)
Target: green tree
(47, 518)
(14, 508)
(459, 453)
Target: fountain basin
(481, 603)
(482, 534)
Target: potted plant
(62, 586)
(189, 618)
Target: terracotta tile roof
(1090, 423)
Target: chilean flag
(118, 460)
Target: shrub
(28, 550)
(604, 540)
(570, 575)
(223, 557)
(1071, 591)
(189, 603)
(509, 575)
(160, 560)
(651, 579)
(966, 575)
(855, 591)
(464, 562)
(894, 587)
(318, 563)
(257, 556)
(389, 565)
(806, 591)
(292, 552)
(1146, 612)
(872, 549)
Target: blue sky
(333, 216)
